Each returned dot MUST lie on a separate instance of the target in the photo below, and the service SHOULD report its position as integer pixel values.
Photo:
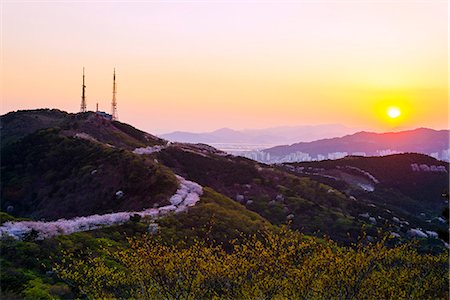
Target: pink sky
(199, 66)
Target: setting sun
(393, 112)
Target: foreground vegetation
(272, 265)
(218, 249)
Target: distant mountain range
(421, 140)
(268, 136)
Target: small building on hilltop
(103, 115)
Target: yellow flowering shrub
(270, 265)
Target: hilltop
(16, 125)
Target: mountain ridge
(419, 140)
(270, 136)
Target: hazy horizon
(356, 129)
(198, 67)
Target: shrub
(284, 265)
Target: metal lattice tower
(114, 101)
(83, 96)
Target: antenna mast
(83, 96)
(114, 101)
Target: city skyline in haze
(200, 66)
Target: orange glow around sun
(395, 111)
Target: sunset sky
(203, 65)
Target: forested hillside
(200, 223)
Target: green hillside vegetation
(16, 125)
(394, 171)
(48, 175)
(144, 138)
(4, 217)
(261, 262)
(27, 265)
(276, 195)
(113, 133)
(412, 195)
(215, 218)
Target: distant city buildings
(265, 157)
(427, 168)
(435, 155)
(445, 155)
(359, 154)
(337, 155)
(387, 152)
